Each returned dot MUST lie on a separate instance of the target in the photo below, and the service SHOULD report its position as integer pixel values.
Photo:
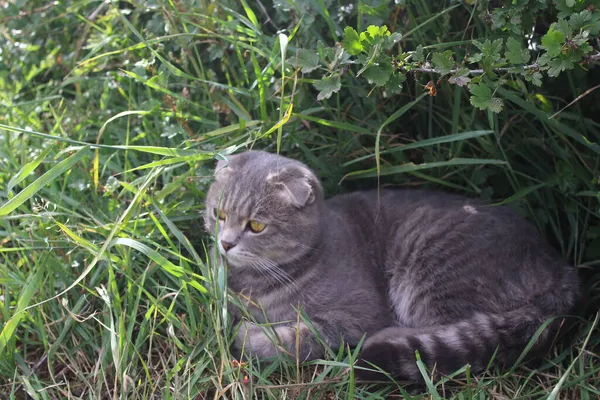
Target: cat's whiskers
(275, 271)
(281, 275)
(255, 265)
(264, 266)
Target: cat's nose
(227, 245)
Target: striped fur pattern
(454, 279)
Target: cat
(457, 280)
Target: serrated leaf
(351, 42)
(459, 80)
(371, 59)
(491, 50)
(557, 65)
(328, 86)
(481, 96)
(580, 20)
(374, 32)
(379, 73)
(515, 52)
(581, 39)
(392, 40)
(563, 26)
(321, 51)
(418, 55)
(496, 104)
(395, 83)
(308, 60)
(443, 62)
(553, 41)
(535, 78)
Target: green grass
(111, 119)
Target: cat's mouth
(235, 259)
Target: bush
(114, 111)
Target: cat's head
(264, 209)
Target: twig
(28, 13)
(587, 60)
(582, 95)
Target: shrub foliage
(113, 111)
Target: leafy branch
(378, 54)
(592, 59)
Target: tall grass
(112, 113)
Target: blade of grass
(22, 303)
(373, 172)
(27, 170)
(388, 121)
(457, 137)
(42, 181)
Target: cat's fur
(448, 276)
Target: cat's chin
(235, 262)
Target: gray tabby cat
(455, 279)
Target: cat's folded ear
(223, 168)
(297, 183)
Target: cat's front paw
(253, 341)
(262, 342)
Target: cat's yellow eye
(256, 226)
(221, 215)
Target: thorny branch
(592, 59)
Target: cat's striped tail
(447, 348)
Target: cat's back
(393, 208)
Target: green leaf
(496, 104)
(443, 62)
(578, 21)
(558, 65)
(553, 41)
(535, 78)
(482, 98)
(395, 83)
(373, 31)
(379, 74)
(515, 52)
(307, 59)
(481, 95)
(490, 50)
(564, 27)
(418, 55)
(328, 86)
(374, 34)
(372, 58)
(351, 42)
(377, 31)
(586, 20)
(392, 40)
(461, 77)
